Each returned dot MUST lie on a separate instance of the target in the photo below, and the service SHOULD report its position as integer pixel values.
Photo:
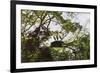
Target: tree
(35, 30)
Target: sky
(81, 17)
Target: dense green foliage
(36, 31)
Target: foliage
(35, 31)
